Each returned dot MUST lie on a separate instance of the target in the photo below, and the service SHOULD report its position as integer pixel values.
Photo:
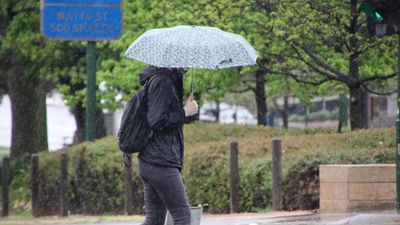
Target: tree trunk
(216, 111)
(260, 97)
(358, 118)
(28, 107)
(100, 124)
(285, 113)
(357, 108)
(79, 114)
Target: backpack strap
(148, 81)
(146, 87)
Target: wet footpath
(290, 218)
(273, 218)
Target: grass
(264, 210)
(256, 142)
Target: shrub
(256, 185)
(207, 181)
(19, 191)
(301, 184)
(95, 182)
(206, 177)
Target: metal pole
(5, 183)
(64, 184)
(277, 174)
(35, 185)
(128, 200)
(234, 161)
(192, 81)
(90, 129)
(398, 128)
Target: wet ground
(291, 219)
(271, 218)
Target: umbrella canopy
(192, 47)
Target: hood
(150, 71)
(146, 73)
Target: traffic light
(383, 16)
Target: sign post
(91, 91)
(83, 20)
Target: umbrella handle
(192, 81)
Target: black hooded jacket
(165, 115)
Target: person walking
(161, 160)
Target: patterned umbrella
(192, 47)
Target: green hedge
(95, 182)
(301, 184)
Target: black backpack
(135, 132)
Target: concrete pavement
(271, 218)
(314, 219)
(302, 218)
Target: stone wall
(350, 188)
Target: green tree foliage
(69, 74)
(232, 17)
(121, 74)
(255, 20)
(326, 43)
(24, 57)
(251, 19)
(31, 66)
(313, 42)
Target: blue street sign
(83, 2)
(81, 19)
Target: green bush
(19, 191)
(256, 185)
(206, 176)
(95, 182)
(301, 184)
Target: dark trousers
(164, 189)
